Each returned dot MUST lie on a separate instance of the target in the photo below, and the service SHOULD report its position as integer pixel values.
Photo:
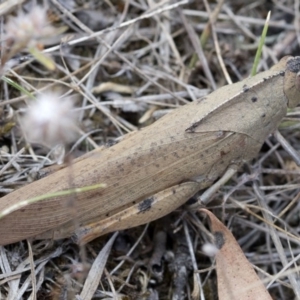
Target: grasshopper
(155, 170)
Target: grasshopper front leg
(207, 195)
(143, 212)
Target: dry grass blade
(32, 269)
(96, 271)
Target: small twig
(198, 290)
(155, 263)
(198, 48)
(287, 147)
(215, 38)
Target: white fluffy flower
(50, 121)
(29, 28)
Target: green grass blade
(260, 45)
(17, 86)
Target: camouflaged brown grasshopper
(155, 170)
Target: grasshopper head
(292, 81)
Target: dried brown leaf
(236, 276)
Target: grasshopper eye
(291, 86)
(296, 96)
(297, 81)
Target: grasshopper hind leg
(143, 212)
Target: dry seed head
(210, 249)
(50, 120)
